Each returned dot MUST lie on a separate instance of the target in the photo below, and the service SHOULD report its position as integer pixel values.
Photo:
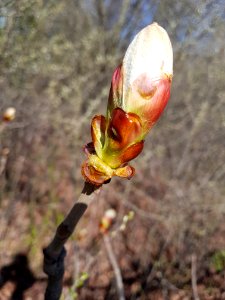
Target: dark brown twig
(55, 252)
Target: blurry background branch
(116, 268)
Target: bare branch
(116, 269)
(193, 277)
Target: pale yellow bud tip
(110, 214)
(149, 53)
(9, 114)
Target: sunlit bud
(140, 90)
(144, 78)
(150, 53)
(9, 114)
(107, 220)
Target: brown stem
(55, 252)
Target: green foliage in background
(218, 260)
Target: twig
(193, 277)
(55, 252)
(116, 269)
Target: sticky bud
(140, 90)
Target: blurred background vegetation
(56, 63)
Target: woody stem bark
(55, 252)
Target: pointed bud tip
(159, 39)
(151, 53)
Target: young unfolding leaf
(140, 90)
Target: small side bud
(9, 114)
(107, 220)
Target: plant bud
(140, 90)
(9, 114)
